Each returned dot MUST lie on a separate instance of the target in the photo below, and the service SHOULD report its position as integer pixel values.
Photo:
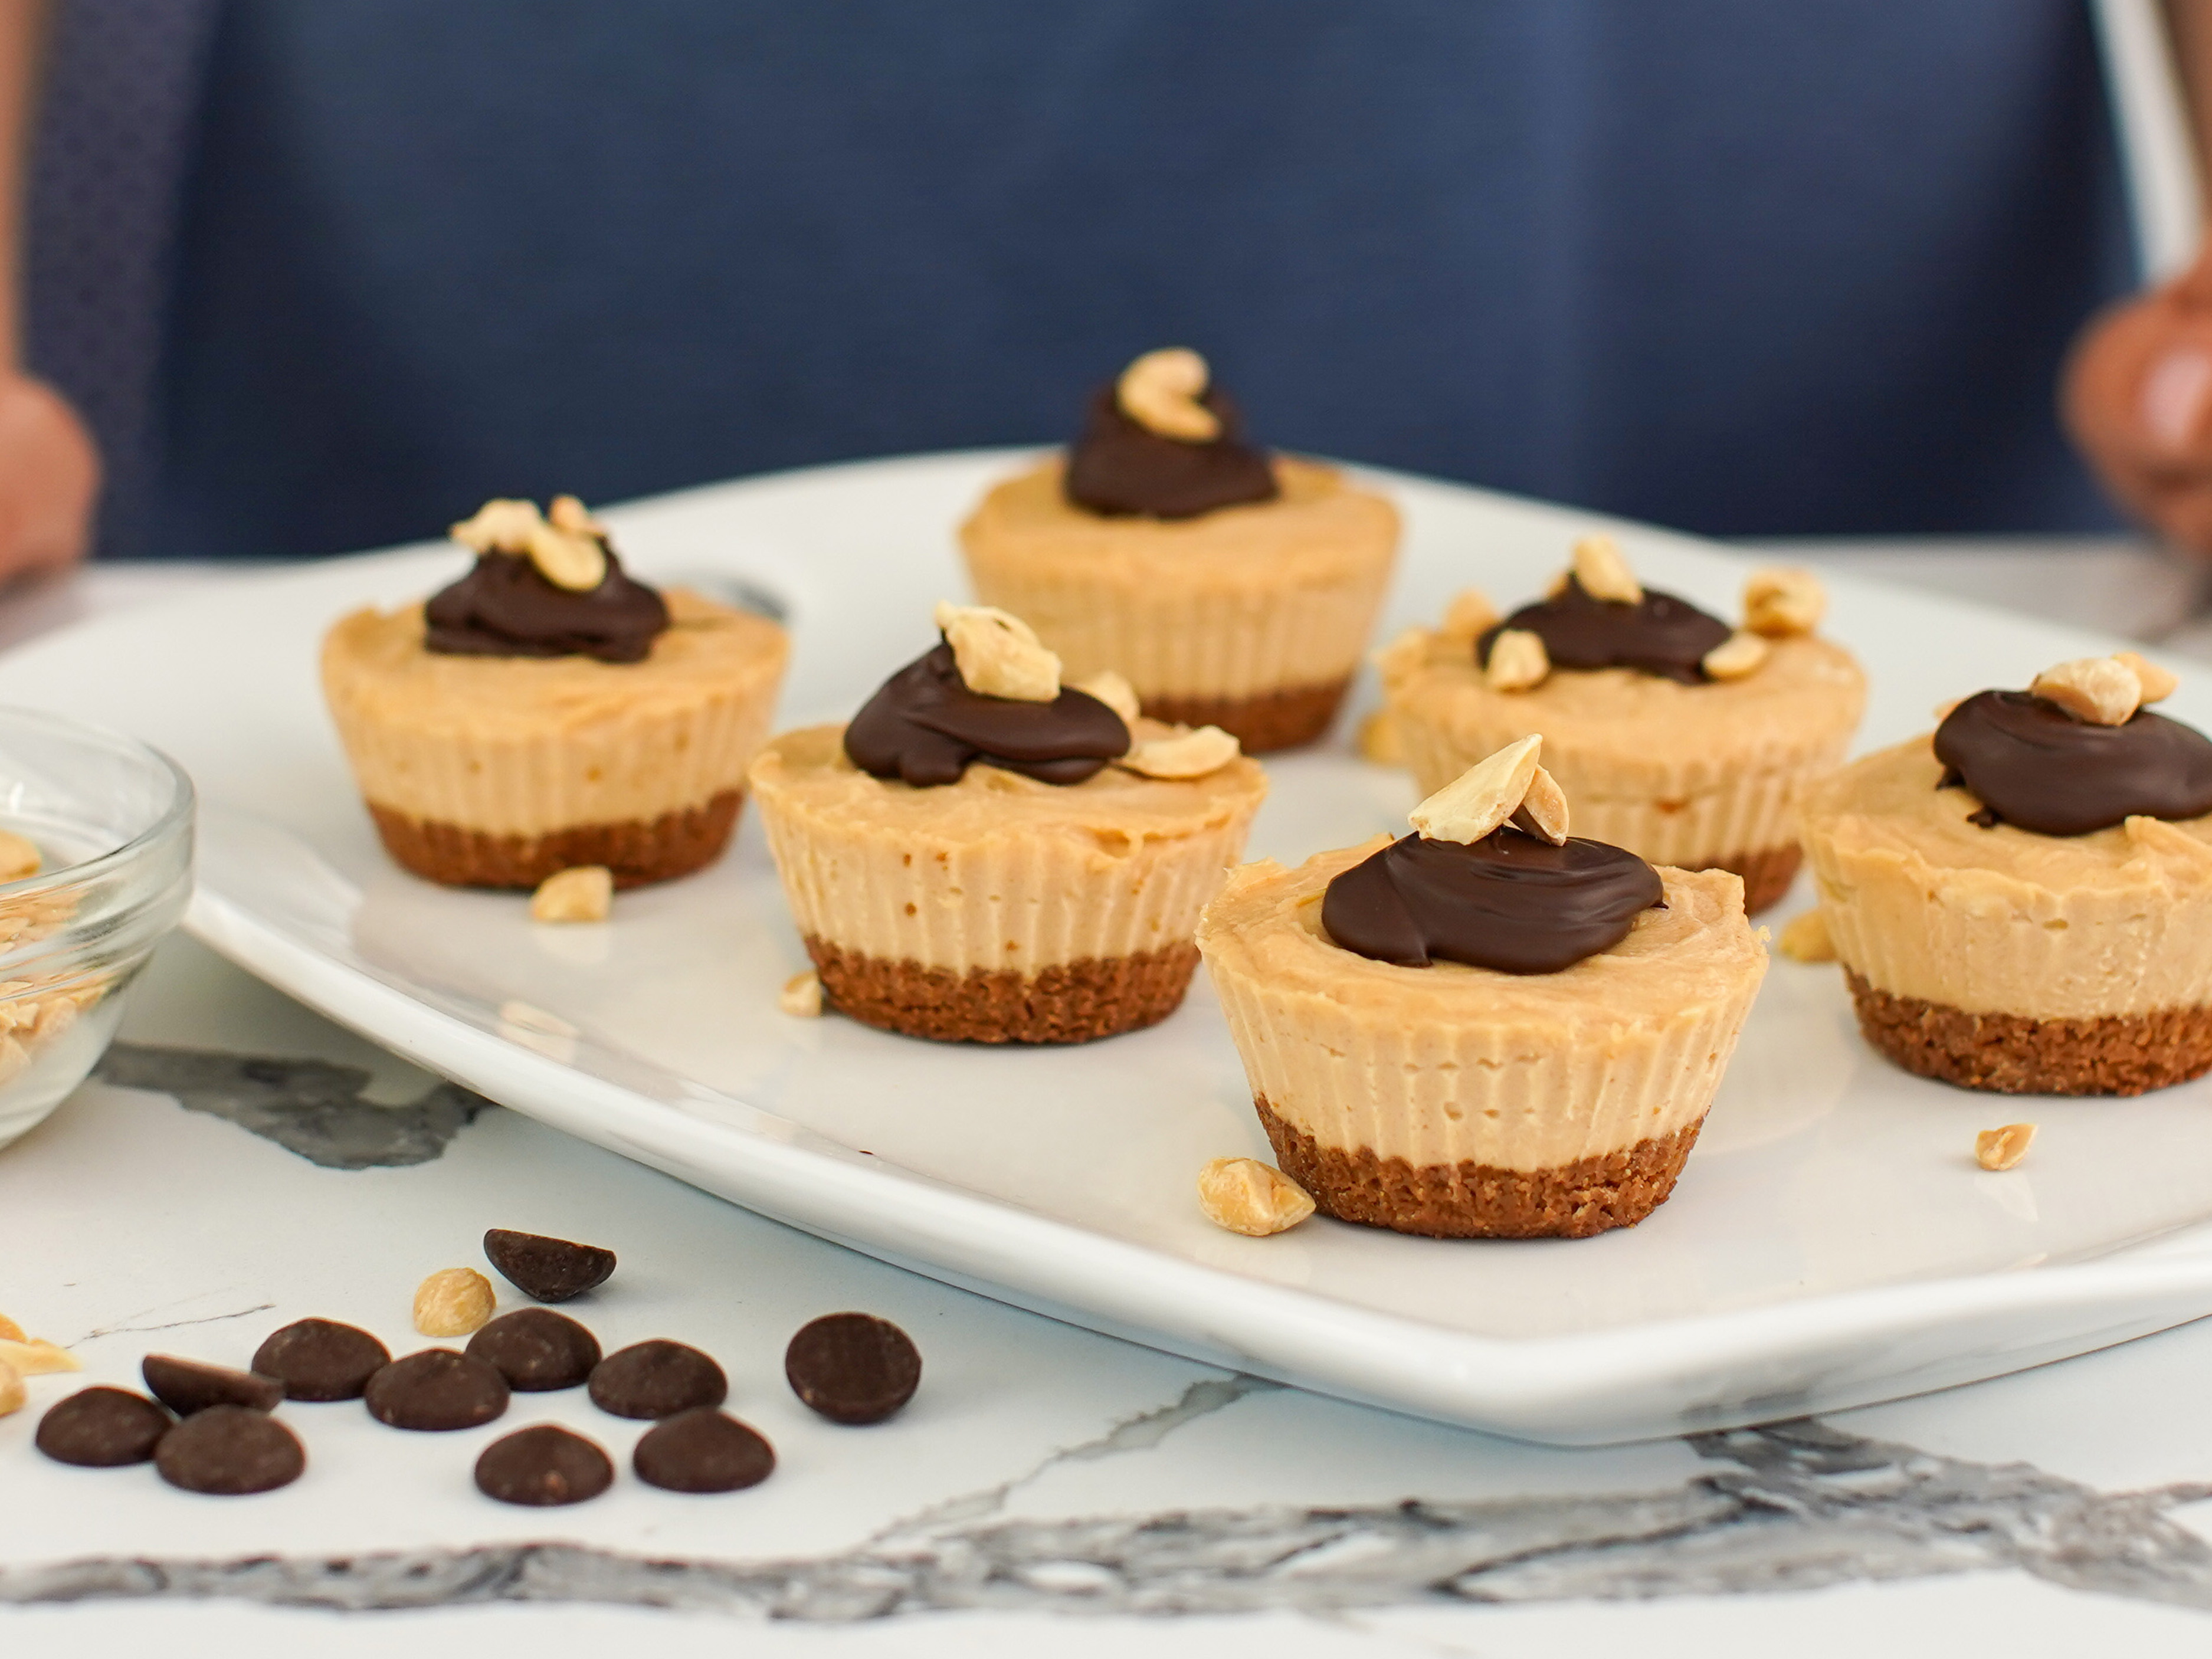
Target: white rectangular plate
(1831, 1242)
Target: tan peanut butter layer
(1238, 603)
(998, 871)
(1685, 774)
(1922, 903)
(527, 745)
(1450, 1065)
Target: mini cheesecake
(1487, 1028)
(2021, 901)
(1677, 736)
(1232, 587)
(984, 854)
(547, 712)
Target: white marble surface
(1047, 1487)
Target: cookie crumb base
(673, 844)
(1282, 719)
(1066, 1002)
(1481, 1200)
(1766, 875)
(2015, 1054)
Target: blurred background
(319, 275)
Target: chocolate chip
(537, 1350)
(656, 1379)
(436, 1390)
(185, 1386)
(228, 1451)
(101, 1428)
(551, 1269)
(703, 1450)
(321, 1359)
(543, 1465)
(853, 1367)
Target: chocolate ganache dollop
(2032, 765)
(1660, 634)
(1119, 467)
(1513, 902)
(924, 726)
(506, 607)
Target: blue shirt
(1727, 265)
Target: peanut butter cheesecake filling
(1232, 587)
(1678, 737)
(548, 711)
(2021, 901)
(1487, 1028)
(986, 854)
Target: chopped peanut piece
(1782, 601)
(1469, 615)
(1738, 655)
(38, 1359)
(1601, 573)
(454, 1302)
(2157, 684)
(1481, 798)
(19, 858)
(1247, 1196)
(1805, 939)
(1518, 661)
(568, 560)
(11, 1331)
(1189, 755)
(801, 996)
(585, 893)
(999, 654)
(1160, 391)
(1545, 807)
(1115, 692)
(2102, 691)
(2000, 1149)
(13, 1394)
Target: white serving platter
(1831, 1244)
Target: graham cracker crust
(1481, 1200)
(1068, 1002)
(1273, 720)
(1766, 875)
(2014, 1054)
(673, 844)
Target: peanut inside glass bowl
(112, 822)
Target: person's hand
(2136, 395)
(49, 475)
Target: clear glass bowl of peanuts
(95, 867)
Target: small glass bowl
(112, 821)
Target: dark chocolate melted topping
(926, 727)
(506, 608)
(1511, 901)
(1661, 635)
(2034, 765)
(1119, 467)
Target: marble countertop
(239, 1163)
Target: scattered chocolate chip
(853, 1367)
(321, 1359)
(185, 1386)
(100, 1428)
(537, 1350)
(551, 1269)
(703, 1450)
(656, 1379)
(228, 1451)
(436, 1390)
(543, 1465)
